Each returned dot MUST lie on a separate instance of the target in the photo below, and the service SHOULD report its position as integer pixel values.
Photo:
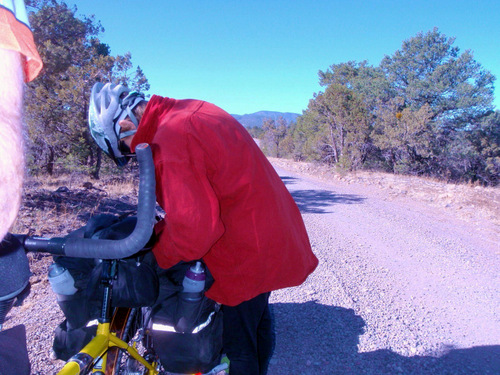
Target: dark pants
(249, 336)
(14, 352)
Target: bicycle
(123, 342)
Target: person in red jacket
(224, 203)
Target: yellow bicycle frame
(97, 348)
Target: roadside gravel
(403, 287)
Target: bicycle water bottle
(190, 299)
(61, 281)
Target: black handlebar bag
(135, 284)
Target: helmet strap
(128, 111)
(119, 160)
(127, 133)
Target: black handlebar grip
(42, 245)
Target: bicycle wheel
(126, 324)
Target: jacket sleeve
(192, 221)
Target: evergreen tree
(274, 132)
(428, 69)
(369, 82)
(485, 140)
(57, 101)
(427, 109)
(404, 136)
(345, 125)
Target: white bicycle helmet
(109, 104)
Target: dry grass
(54, 206)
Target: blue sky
(247, 56)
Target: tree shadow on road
(319, 339)
(318, 201)
(287, 180)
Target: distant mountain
(257, 118)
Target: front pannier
(197, 350)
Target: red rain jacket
(223, 200)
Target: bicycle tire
(118, 326)
(124, 325)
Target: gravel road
(401, 288)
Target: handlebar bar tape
(112, 249)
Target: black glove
(112, 227)
(99, 223)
